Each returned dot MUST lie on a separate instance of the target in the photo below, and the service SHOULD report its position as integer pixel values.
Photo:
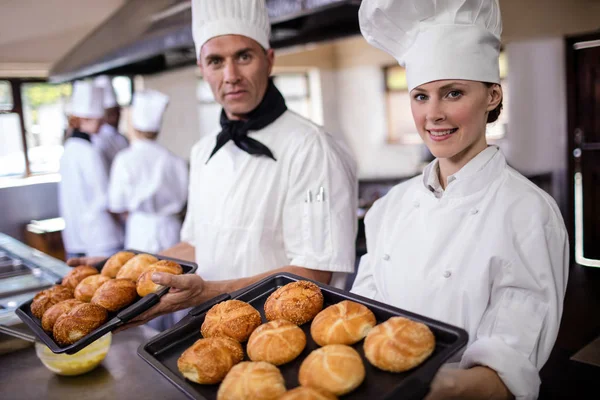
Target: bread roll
(114, 263)
(232, 318)
(346, 322)
(136, 266)
(77, 274)
(307, 393)
(297, 302)
(336, 368)
(276, 342)
(115, 294)
(399, 344)
(87, 287)
(146, 286)
(49, 297)
(80, 321)
(208, 360)
(252, 381)
(53, 313)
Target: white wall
(180, 130)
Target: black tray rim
(418, 384)
(121, 318)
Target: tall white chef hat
(211, 18)
(148, 107)
(436, 39)
(86, 101)
(110, 97)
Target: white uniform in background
(108, 139)
(248, 215)
(83, 200)
(490, 252)
(149, 182)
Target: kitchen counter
(122, 375)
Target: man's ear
(495, 96)
(270, 59)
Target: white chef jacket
(248, 214)
(151, 184)
(490, 255)
(83, 201)
(109, 141)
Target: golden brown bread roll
(233, 318)
(136, 266)
(276, 342)
(115, 262)
(77, 274)
(346, 322)
(308, 393)
(207, 361)
(399, 344)
(49, 297)
(336, 368)
(87, 287)
(146, 286)
(115, 294)
(252, 381)
(297, 302)
(75, 324)
(53, 313)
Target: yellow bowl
(79, 363)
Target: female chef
(89, 228)
(470, 241)
(148, 182)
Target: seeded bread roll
(297, 302)
(53, 313)
(252, 381)
(399, 344)
(207, 361)
(346, 322)
(308, 393)
(336, 368)
(136, 266)
(80, 321)
(114, 263)
(233, 318)
(146, 286)
(115, 294)
(277, 342)
(87, 287)
(49, 297)
(77, 274)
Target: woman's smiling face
(451, 117)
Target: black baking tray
(115, 319)
(162, 351)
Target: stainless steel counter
(122, 375)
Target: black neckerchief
(270, 108)
(81, 135)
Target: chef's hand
(186, 291)
(474, 383)
(77, 261)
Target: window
(401, 127)
(32, 125)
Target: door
(583, 78)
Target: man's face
(112, 116)
(237, 69)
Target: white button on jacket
(248, 215)
(501, 246)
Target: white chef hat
(436, 39)
(110, 97)
(86, 101)
(148, 107)
(211, 18)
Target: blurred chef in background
(89, 227)
(108, 140)
(149, 184)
